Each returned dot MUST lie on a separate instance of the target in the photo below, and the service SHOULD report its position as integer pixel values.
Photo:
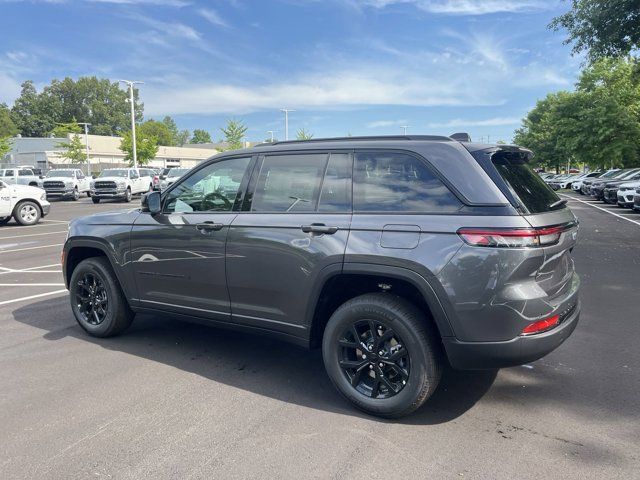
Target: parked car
(597, 188)
(19, 176)
(396, 255)
(120, 184)
(586, 183)
(576, 185)
(565, 181)
(610, 192)
(26, 204)
(625, 194)
(66, 183)
(636, 200)
(173, 175)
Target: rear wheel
(4, 220)
(97, 301)
(27, 213)
(95, 199)
(381, 353)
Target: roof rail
(432, 138)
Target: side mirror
(94, 176)
(151, 202)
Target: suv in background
(395, 255)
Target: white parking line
(31, 284)
(39, 225)
(34, 234)
(31, 297)
(591, 204)
(30, 248)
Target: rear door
(292, 232)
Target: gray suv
(395, 255)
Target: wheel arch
(357, 279)
(28, 199)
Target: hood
(110, 179)
(630, 185)
(58, 179)
(26, 190)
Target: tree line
(598, 123)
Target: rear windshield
(525, 185)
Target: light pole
(271, 132)
(131, 83)
(404, 129)
(86, 144)
(286, 122)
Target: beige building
(104, 152)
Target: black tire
(128, 195)
(419, 344)
(76, 195)
(116, 315)
(27, 213)
(5, 220)
(95, 199)
(89, 194)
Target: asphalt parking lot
(175, 400)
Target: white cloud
(488, 122)
(212, 17)
(160, 3)
(385, 123)
(466, 7)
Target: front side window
(398, 182)
(289, 183)
(213, 188)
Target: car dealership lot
(175, 400)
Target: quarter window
(289, 183)
(213, 188)
(398, 182)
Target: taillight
(541, 325)
(156, 179)
(512, 237)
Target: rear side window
(289, 183)
(524, 183)
(336, 186)
(25, 173)
(398, 182)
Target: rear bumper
(520, 350)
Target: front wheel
(381, 353)
(5, 220)
(127, 197)
(27, 213)
(97, 301)
(95, 199)
(76, 195)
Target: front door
(178, 255)
(5, 200)
(293, 230)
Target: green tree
(233, 134)
(100, 102)
(63, 129)
(74, 150)
(601, 27)
(7, 126)
(5, 146)
(158, 130)
(200, 136)
(172, 127)
(183, 137)
(146, 147)
(303, 135)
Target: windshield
(60, 173)
(115, 173)
(177, 172)
(628, 174)
(528, 188)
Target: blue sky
(346, 66)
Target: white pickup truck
(26, 204)
(120, 184)
(66, 182)
(20, 176)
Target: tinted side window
(336, 186)
(213, 188)
(25, 173)
(398, 182)
(289, 183)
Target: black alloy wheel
(91, 298)
(374, 359)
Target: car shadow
(251, 362)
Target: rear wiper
(557, 204)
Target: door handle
(319, 229)
(209, 227)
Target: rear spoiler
(511, 152)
